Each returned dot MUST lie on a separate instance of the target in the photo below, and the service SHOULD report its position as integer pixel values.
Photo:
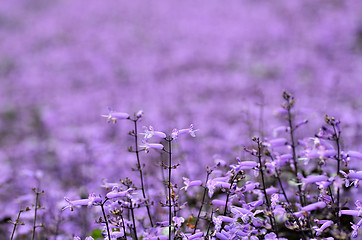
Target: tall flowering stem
(288, 207)
(209, 171)
(271, 214)
(36, 207)
(288, 106)
(337, 138)
(139, 167)
(105, 218)
(17, 222)
(169, 140)
(133, 218)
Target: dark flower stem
(140, 170)
(124, 228)
(16, 223)
(169, 186)
(35, 210)
(291, 130)
(133, 220)
(203, 201)
(271, 216)
(288, 208)
(337, 140)
(208, 228)
(105, 218)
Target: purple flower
(354, 154)
(90, 201)
(278, 142)
(355, 228)
(272, 236)
(244, 165)
(146, 146)
(176, 133)
(325, 224)
(216, 182)
(114, 116)
(178, 221)
(189, 183)
(150, 132)
(115, 193)
(314, 206)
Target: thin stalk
(141, 172)
(202, 202)
(208, 228)
(105, 218)
(227, 199)
(133, 220)
(58, 225)
(337, 139)
(271, 216)
(35, 211)
(124, 228)
(302, 201)
(228, 194)
(169, 188)
(16, 223)
(289, 204)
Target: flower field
(180, 120)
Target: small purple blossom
(114, 116)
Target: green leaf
(97, 234)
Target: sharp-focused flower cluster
(283, 188)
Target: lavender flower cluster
(282, 188)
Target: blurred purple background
(222, 66)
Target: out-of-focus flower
(146, 146)
(355, 228)
(325, 224)
(150, 132)
(178, 221)
(314, 206)
(90, 201)
(189, 183)
(177, 132)
(139, 114)
(114, 116)
(115, 193)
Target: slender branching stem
(271, 216)
(105, 218)
(16, 223)
(169, 187)
(203, 200)
(124, 228)
(133, 220)
(288, 208)
(208, 228)
(337, 140)
(140, 170)
(294, 153)
(35, 210)
(229, 192)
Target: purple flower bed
(219, 150)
